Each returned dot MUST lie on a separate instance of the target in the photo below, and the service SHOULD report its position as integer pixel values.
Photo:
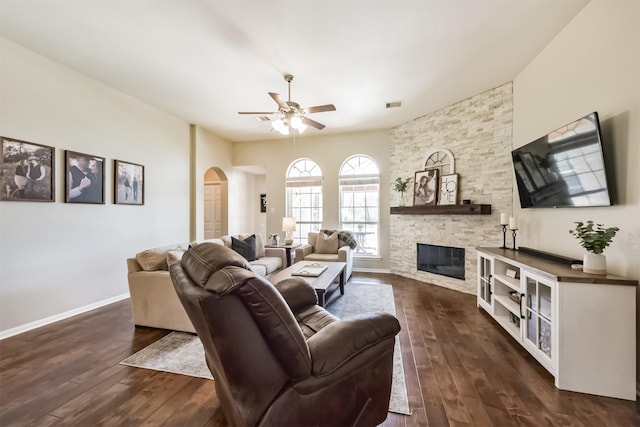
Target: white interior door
(212, 210)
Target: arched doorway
(216, 221)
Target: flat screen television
(565, 168)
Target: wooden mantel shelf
(442, 210)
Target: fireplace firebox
(444, 260)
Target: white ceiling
(205, 60)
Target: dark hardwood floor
(461, 369)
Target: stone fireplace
(477, 131)
(443, 260)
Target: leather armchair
(277, 358)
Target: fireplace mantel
(442, 210)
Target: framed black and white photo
(263, 202)
(27, 171)
(128, 187)
(84, 176)
(448, 190)
(426, 187)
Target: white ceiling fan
(291, 115)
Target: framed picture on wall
(84, 176)
(263, 203)
(448, 190)
(128, 186)
(27, 171)
(426, 188)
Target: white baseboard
(372, 270)
(57, 317)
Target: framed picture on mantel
(425, 192)
(448, 190)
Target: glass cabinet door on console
(485, 272)
(538, 320)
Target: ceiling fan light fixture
(281, 126)
(292, 116)
(277, 124)
(296, 122)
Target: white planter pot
(594, 263)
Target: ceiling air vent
(394, 104)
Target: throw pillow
(259, 243)
(248, 247)
(156, 258)
(327, 244)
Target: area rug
(370, 298)
(182, 353)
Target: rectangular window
(304, 203)
(359, 208)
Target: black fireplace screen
(443, 260)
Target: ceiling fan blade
(281, 103)
(307, 121)
(319, 109)
(257, 112)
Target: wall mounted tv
(564, 168)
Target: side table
(287, 249)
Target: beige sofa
(154, 301)
(310, 252)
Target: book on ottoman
(310, 270)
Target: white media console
(580, 327)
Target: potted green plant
(400, 186)
(594, 238)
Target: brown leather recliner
(277, 358)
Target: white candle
(513, 224)
(503, 219)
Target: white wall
(329, 151)
(242, 203)
(592, 65)
(57, 257)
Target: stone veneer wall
(478, 132)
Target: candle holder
(504, 236)
(513, 233)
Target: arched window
(359, 187)
(304, 197)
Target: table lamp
(288, 225)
